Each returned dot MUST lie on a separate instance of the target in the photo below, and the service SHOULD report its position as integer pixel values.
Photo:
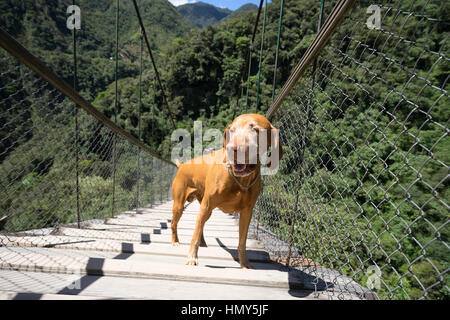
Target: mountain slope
(44, 22)
(242, 9)
(41, 27)
(203, 14)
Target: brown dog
(228, 179)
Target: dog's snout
(238, 143)
(231, 147)
(240, 147)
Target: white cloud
(180, 2)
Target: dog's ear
(225, 141)
(276, 152)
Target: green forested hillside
(201, 70)
(242, 9)
(41, 26)
(36, 123)
(43, 23)
(202, 14)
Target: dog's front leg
(244, 222)
(203, 216)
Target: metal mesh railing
(363, 185)
(360, 202)
(39, 150)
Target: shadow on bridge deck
(131, 256)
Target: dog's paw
(175, 244)
(246, 265)
(192, 262)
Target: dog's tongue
(239, 167)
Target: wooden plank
(139, 288)
(20, 295)
(181, 231)
(157, 224)
(148, 237)
(81, 243)
(181, 260)
(112, 267)
(151, 218)
(142, 223)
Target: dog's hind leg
(202, 239)
(179, 198)
(177, 211)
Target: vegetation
(372, 152)
(203, 14)
(37, 141)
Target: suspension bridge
(358, 209)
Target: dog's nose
(232, 148)
(240, 148)
(240, 143)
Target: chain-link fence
(363, 185)
(360, 202)
(61, 166)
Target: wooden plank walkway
(131, 257)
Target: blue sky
(230, 4)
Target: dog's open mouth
(243, 169)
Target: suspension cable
(172, 118)
(248, 76)
(138, 189)
(116, 65)
(140, 87)
(280, 21)
(116, 110)
(330, 25)
(245, 66)
(260, 57)
(322, 3)
(77, 143)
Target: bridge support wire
(77, 142)
(166, 102)
(247, 61)
(23, 55)
(329, 28)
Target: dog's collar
(237, 181)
